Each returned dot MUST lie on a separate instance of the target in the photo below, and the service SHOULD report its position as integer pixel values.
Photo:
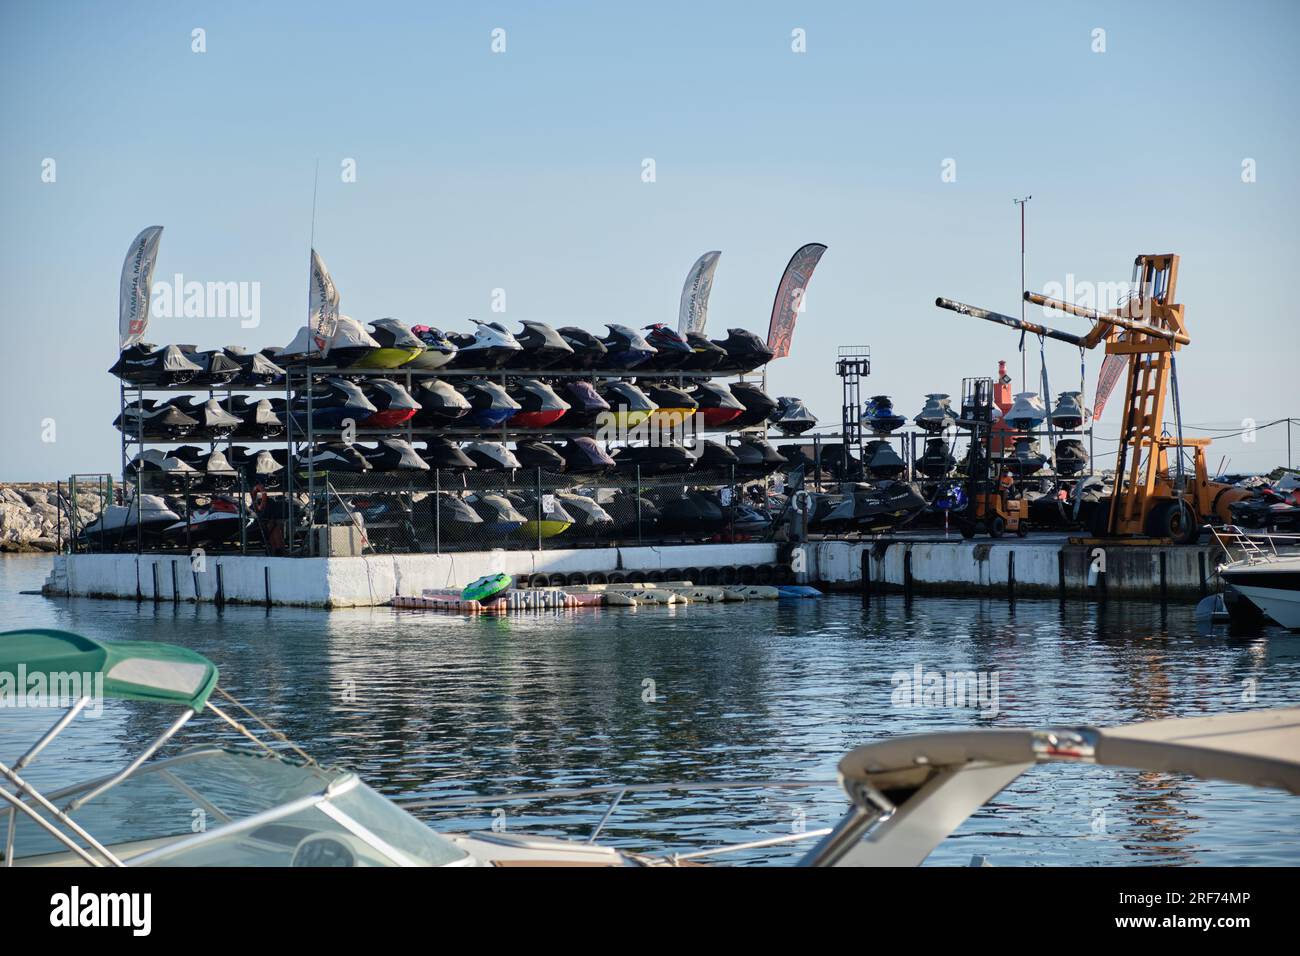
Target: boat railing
(1251, 547)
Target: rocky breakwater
(29, 515)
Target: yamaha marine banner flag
(694, 309)
(133, 292)
(790, 296)
(322, 305)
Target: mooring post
(139, 596)
(1011, 573)
(176, 591)
(866, 577)
(266, 583)
(156, 596)
(907, 573)
(221, 588)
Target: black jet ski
(588, 352)
(500, 517)
(443, 454)
(491, 456)
(792, 417)
(705, 356)
(215, 469)
(218, 367)
(540, 406)
(255, 368)
(585, 403)
(218, 523)
(399, 346)
(632, 513)
(1068, 413)
(393, 403)
(745, 352)
(331, 457)
(1071, 456)
(490, 405)
(880, 417)
(872, 508)
(147, 367)
(540, 347)
(588, 516)
(749, 521)
(715, 456)
(695, 515)
(122, 524)
(535, 454)
(440, 404)
(452, 517)
(716, 404)
(628, 405)
(154, 422)
(392, 454)
(757, 457)
(488, 347)
(625, 348)
(584, 456)
(438, 349)
(674, 405)
(759, 406)
(261, 420)
(1026, 458)
(258, 467)
(881, 460)
(660, 459)
(214, 421)
(937, 413)
(671, 350)
(333, 402)
(936, 461)
(156, 465)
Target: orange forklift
(991, 503)
(1144, 333)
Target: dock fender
(556, 581)
(577, 577)
(709, 577)
(692, 575)
(763, 574)
(745, 574)
(617, 577)
(982, 551)
(597, 577)
(727, 574)
(538, 581)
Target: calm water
(426, 704)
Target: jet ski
(1027, 412)
(675, 405)
(349, 344)
(440, 403)
(758, 405)
(491, 456)
(625, 348)
(660, 459)
(671, 350)
(757, 457)
(152, 421)
(453, 518)
(705, 356)
(936, 461)
(535, 454)
(488, 347)
(218, 523)
(1067, 507)
(218, 367)
(258, 467)
(547, 521)
(715, 456)
(1068, 414)
(261, 420)
(499, 516)
(881, 461)
(872, 508)
(584, 456)
(880, 417)
(632, 514)
(145, 515)
(216, 470)
(255, 369)
(167, 367)
(695, 515)
(441, 453)
(398, 345)
(792, 417)
(749, 521)
(438, 349)
(745, 352)
(588, 516)
(490, 404)
(1026, 458)
(392, 454)
(717, 405)
(937, 413)
(393, 403)
(1071, 457)
(214, 421)
(333, 401)
(540, 347)
(541, 407)
(585, 403)
(322, 459)
(629, 406)
(1271, 507)
(588, 351)
(155, 464)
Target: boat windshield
(228, 807)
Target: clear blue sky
(522, 171)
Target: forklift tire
(1099, 520)
(967, 529)
(1173, 519)
(1022, 529)
(997, 525)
